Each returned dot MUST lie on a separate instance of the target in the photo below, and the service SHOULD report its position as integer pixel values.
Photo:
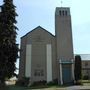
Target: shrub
(39, 83)
(23, 82)
(77, 68)
(86, 77)
(54, 82)
(79, 82)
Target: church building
(48, 57)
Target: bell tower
(64, 43)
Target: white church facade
(48, 57)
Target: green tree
(8, 46)
(77, 68)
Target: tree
(77, 68)
(8, 46)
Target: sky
(33, 13)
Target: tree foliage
(78, 67)
(8, 46)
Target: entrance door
(66, 73)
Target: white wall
(28, 61)
(49, 62)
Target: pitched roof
(85, 57)
(35, 29)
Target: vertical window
(66, 13)
(42, 73)
(38, 73)
(60, 13)
(86, 64)
(63, 13)
(35, 73)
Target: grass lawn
(12, 87)
(86, 82)
(43, 87)
(46, 86)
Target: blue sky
(41, 12)
(33, 13)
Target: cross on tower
(61, 3)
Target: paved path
(67, 88)
(78, 88)
(49, 89)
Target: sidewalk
(67, 88)
(78, 88)
(49, 89)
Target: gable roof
(35, 29)
(84, 57)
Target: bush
(77, 68)
(86, 77)
(23, 82)
(54, 82)
(39, 83)
(78, 82)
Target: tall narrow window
(60, 13)
(66, 13)
(63, 13)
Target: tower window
(63, 13)
(66, 13)
(60, 13)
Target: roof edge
(35, 29)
